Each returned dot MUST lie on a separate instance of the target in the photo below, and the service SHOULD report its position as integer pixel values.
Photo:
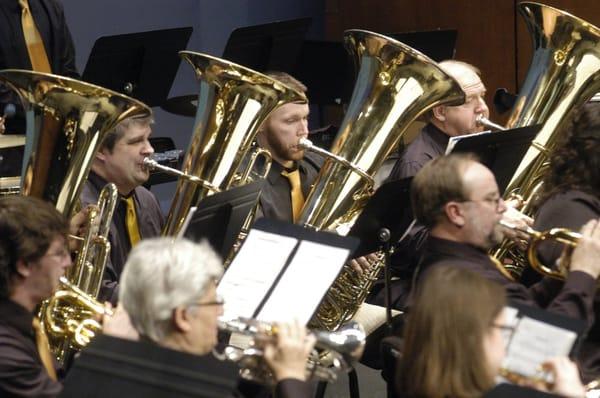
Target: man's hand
(77, 227)
(288, 355)
(514, 217)
(119, 324)
(364, 263)
(586, 256)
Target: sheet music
(454, 140)
(533, 342)
(253, 272)
(304, 283)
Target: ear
(181, 319)
(23, 268)
(439, 113)
(101, 154)
(455, 214)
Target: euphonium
(395, 85)
(73, 315)
(66, 121)
(560, 235)
(563, 75)
(232, 104)
(346, 347)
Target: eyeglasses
(218, 301)
(493, 201)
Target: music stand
(388, 208)
(220, 217)
(501, 152)
(271, 46)
(328, 72)
(142, 65)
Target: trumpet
(560, 235)
(487, 123)
(343, 349)
(72, 315)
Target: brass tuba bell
(395, 85)
(563, 75)
(66, 122)
(232, 104)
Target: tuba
(395, 85)
(563, 75)
(66, 121)
(232, 104)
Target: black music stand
(501, 152)
(328, 72)
(388, 208)
(271, 46)
(219, 218)
(142, 65)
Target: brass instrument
(73, 315)
(487, 123)
(232, 104)
(395, 85)
(346, 347)
(66, 121)
(563, 75)
(560, 235)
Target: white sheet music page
(533, 342)
(304, 283)
(252, 272)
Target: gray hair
(162, 274)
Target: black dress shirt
(431, 143)
(275, 199)
(574, 298)
(150, 222)
(22, 373)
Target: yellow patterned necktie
(295, 192)
(131, 221)
(33, 40)
(41, 340)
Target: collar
(98, 183)
(277, 168)
(16, 316)
(438, 136)
(455, 249)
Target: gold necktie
(131, 222)
(295, 192)
(33, 40)
(41, 340)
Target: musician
(453, 340)
(44, 46)
(445, 121)
(280, 133)
(457, 198)
(168, 288)
(138, 214)
(570, 197)
(33, 255)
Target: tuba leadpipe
(487, 123)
